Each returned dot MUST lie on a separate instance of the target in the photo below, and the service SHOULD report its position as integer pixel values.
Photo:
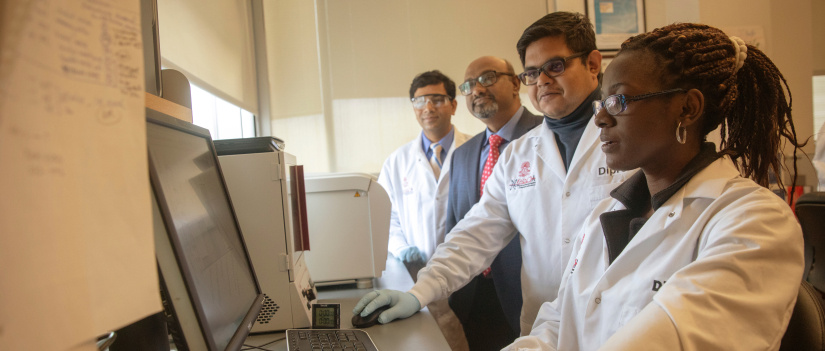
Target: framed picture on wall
(615, 21)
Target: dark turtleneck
(569, 129)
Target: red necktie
(492, 158)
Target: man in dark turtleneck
(542, 187)
(569, 128)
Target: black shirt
(569, 129)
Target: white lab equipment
(349, 218)
(265, 188)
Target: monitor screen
(203, 234)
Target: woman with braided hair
(692, 252)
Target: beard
(485, 110)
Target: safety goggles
(438, 100)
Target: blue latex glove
(412, 254)
(403, 305)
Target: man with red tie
(490, 305)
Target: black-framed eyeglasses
(552, 68)
(616, 104)
(486, 79)
(438, 100)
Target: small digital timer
(326, 316)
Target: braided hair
(749, 103)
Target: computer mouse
(370, 320)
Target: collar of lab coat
(548, 150)
(634, 193)
(709, 183)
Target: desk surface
(419, 332)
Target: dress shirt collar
(506, 132)
(445, 142)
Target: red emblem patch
(525, 169)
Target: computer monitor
(211, 294)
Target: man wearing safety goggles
(416, 176)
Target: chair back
(810, 211)
(806, 329)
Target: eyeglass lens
(486, 80)
(437, 100)
(616, 104)
(613, 104)
(551, 68)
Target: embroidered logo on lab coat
(525, 169)
(525, 178)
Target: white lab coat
(722, 259)
(528, 192)
(419, 201)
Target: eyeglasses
(438, 100)
(487, 79)
(616, 104)
(552, 68)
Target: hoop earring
(681, 137)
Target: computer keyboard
(328, 339)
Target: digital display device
(326, 316)
(211, 294)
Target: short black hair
(575, 28)
(430, 78)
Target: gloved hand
(403, 305)
(412, 254)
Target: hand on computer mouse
(370, 320)
(402, 305)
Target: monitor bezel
(236, 342)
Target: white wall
(367, 54)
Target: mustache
(485, 96)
